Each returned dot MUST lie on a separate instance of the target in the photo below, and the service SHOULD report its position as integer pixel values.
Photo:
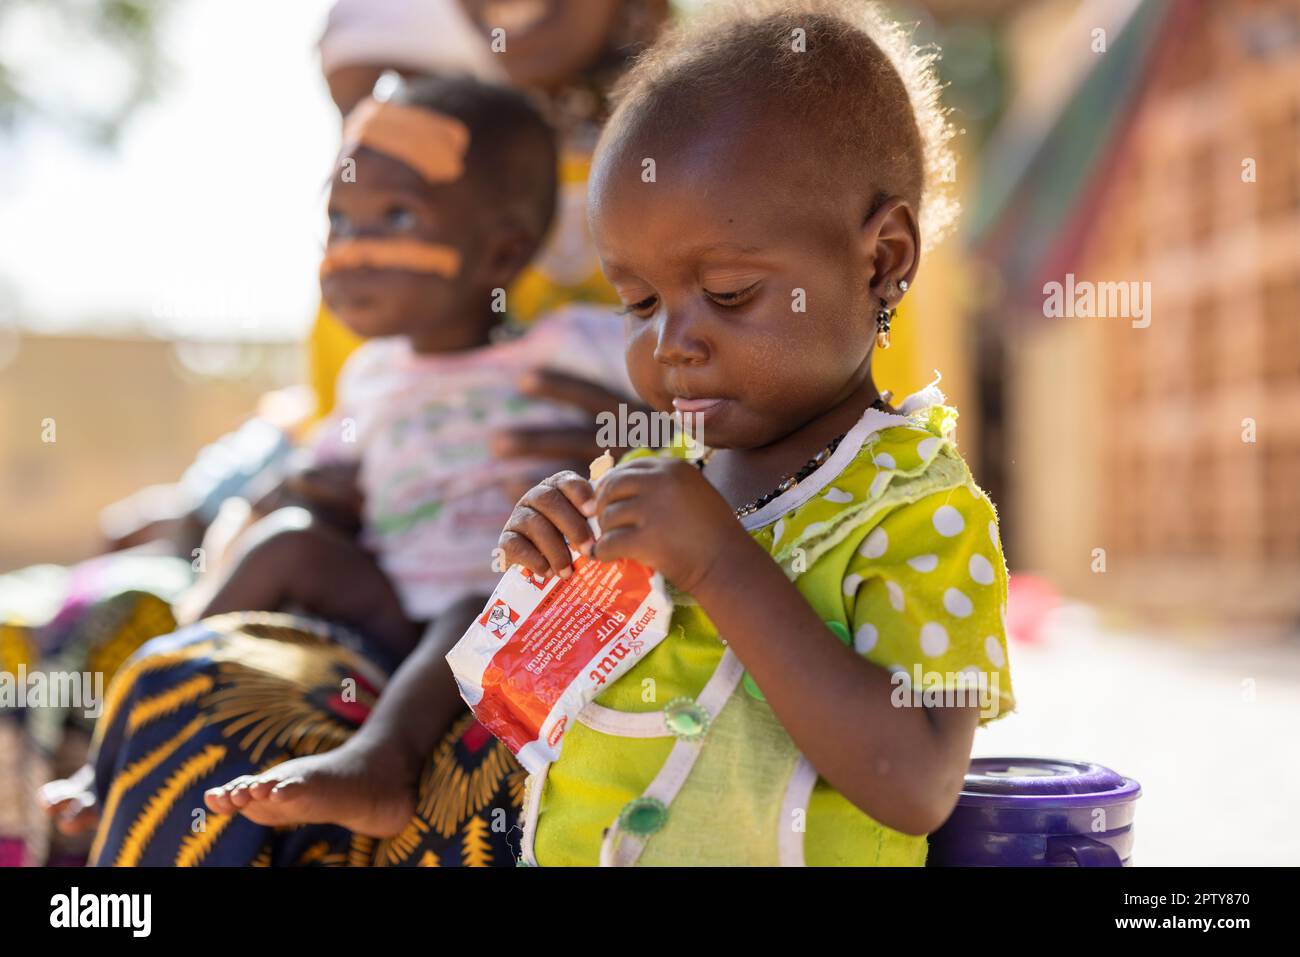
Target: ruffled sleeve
(925, 594)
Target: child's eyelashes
(731, 299)
(644, 308)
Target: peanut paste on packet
(544, 648)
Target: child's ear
(891, 242)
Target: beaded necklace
(790, 481)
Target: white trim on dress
(872, 421)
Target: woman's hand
(573, 445)
(663, 513)
(331, 491)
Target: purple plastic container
(1038, 812)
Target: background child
(444, 194)
(838, 548)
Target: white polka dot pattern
(926, 591)
(957, 604)
(981, 570)
(875, 545)
(934, 639)
(865, 638)
(924, 563)
(948, 521)
(993, 651)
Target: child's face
(739, 230)
(387, 200)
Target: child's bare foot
(71, 802)
(367, 790)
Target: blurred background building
(1154, 464)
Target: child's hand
(545, 517)
(331, 491)
(663, 513)
(335, 485)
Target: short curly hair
(870, 93)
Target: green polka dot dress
(897, 550)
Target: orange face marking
(408, 255)
(432, 144)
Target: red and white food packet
(544, 648)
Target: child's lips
(700, 414)
(681, 404)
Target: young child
(828, 553)
(443, 195)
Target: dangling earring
(883, 319)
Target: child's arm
(420, 702)
(903, 766)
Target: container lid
(993, 780)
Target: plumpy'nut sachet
(545, 647)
